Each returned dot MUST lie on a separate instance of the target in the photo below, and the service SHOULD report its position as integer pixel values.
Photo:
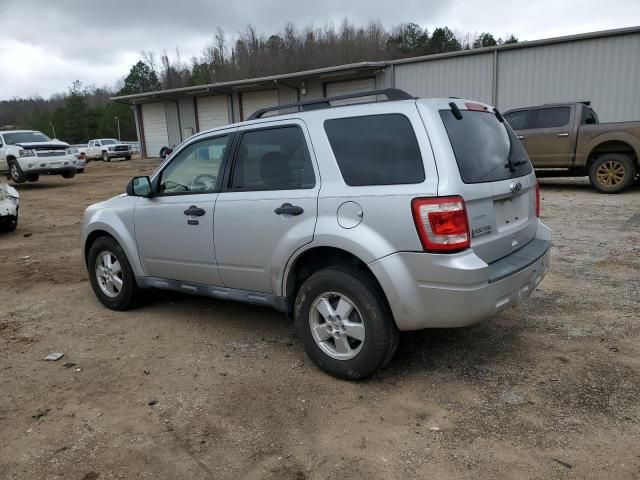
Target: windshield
(25, 137)
(108, 141)
(485, 149)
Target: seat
(275, 171)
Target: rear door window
(273, 159)
(518, 120)
(485, 149)
(551, 117)
(376, 150)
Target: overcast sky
(46, 44)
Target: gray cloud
(51, 43)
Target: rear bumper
(443, 291)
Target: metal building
(603, 67)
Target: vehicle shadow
(39, 185)
(464, 352)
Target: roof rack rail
(320, 103)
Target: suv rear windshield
(376, 149)
(25, 137)
(485, 149)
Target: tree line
(84, 112)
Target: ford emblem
(515, 187)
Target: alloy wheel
(611, 173)
(109, 274)
(15, 173)
(337, 326)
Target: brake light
(476, 107)
(537, 200)
(441, 223)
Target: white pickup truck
(27, 154)
(106, 149)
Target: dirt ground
(550, 389)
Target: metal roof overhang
(227, 88)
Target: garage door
(351, 86)
(212, 112)
(252, 101)
(154, 122)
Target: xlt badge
(480, 231)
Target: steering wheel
(204, 181)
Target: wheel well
(612, 146)
(317, 259)
(93, 236)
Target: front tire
(16, 173)
(111, 276)
(345, 323)
(33, 178)
(612, 173)
(105, 157)
(128, 157)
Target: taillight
(441, 223)
(537, 200)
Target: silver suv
(358, 221)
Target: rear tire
(612, 173)
(115, 288)
(69, 174)
(80, 171)
(332, 339)
(16, 173)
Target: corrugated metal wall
(187, 117)
(173, 123)
(604, 70)
(468, 76)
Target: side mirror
(590, 121)
(139, 187)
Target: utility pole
(53, 128)
(118, 124)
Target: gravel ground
(187, 387)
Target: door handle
(563, 134)
(520, 137)
(288, 209)
(195, 211)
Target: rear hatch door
(495, 178)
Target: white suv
(358, 221)
(27, 154)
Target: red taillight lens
(441, 223)
(537, 200)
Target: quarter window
(588, 117)
(196, 168)
(552, 117)
(376, 150)
(273, 159)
